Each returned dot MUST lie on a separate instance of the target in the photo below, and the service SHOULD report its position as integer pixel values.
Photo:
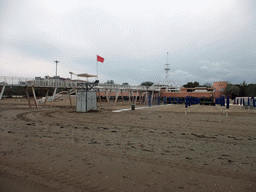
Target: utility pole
(56, 67)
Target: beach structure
(127, 93)
(107, 92)
(134, 93)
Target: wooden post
(129, 101)
(136, 97)
(146, 98)
(29, 104)
(132, 97)
(46, 97)
(2, 92)
(66, 97)
(109, 96)
(140, 97)
(152, 97)
(53, 96)
(34, 94)
(117, 94)
(122, 96)
(70, 101)
(106, 95)
(227, 113)
(157, 97)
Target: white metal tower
(167, 67)
(168, 85)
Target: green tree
(251, 90)
(147, 83)
(243, 88)
(191, 85)
(232, 91)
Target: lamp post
(56, 67)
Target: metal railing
(60, 83)
(128, 87)
(21, 81)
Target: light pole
(56, 67)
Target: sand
(158, 149)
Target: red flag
(100, 59)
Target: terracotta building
(216, 90)
(219, 88)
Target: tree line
(240, 90)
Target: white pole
(56, 66)
(97, 70)
(97, 66)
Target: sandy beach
(157, 149)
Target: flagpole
(97, 66)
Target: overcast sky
(207, 40)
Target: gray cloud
(206, 40)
